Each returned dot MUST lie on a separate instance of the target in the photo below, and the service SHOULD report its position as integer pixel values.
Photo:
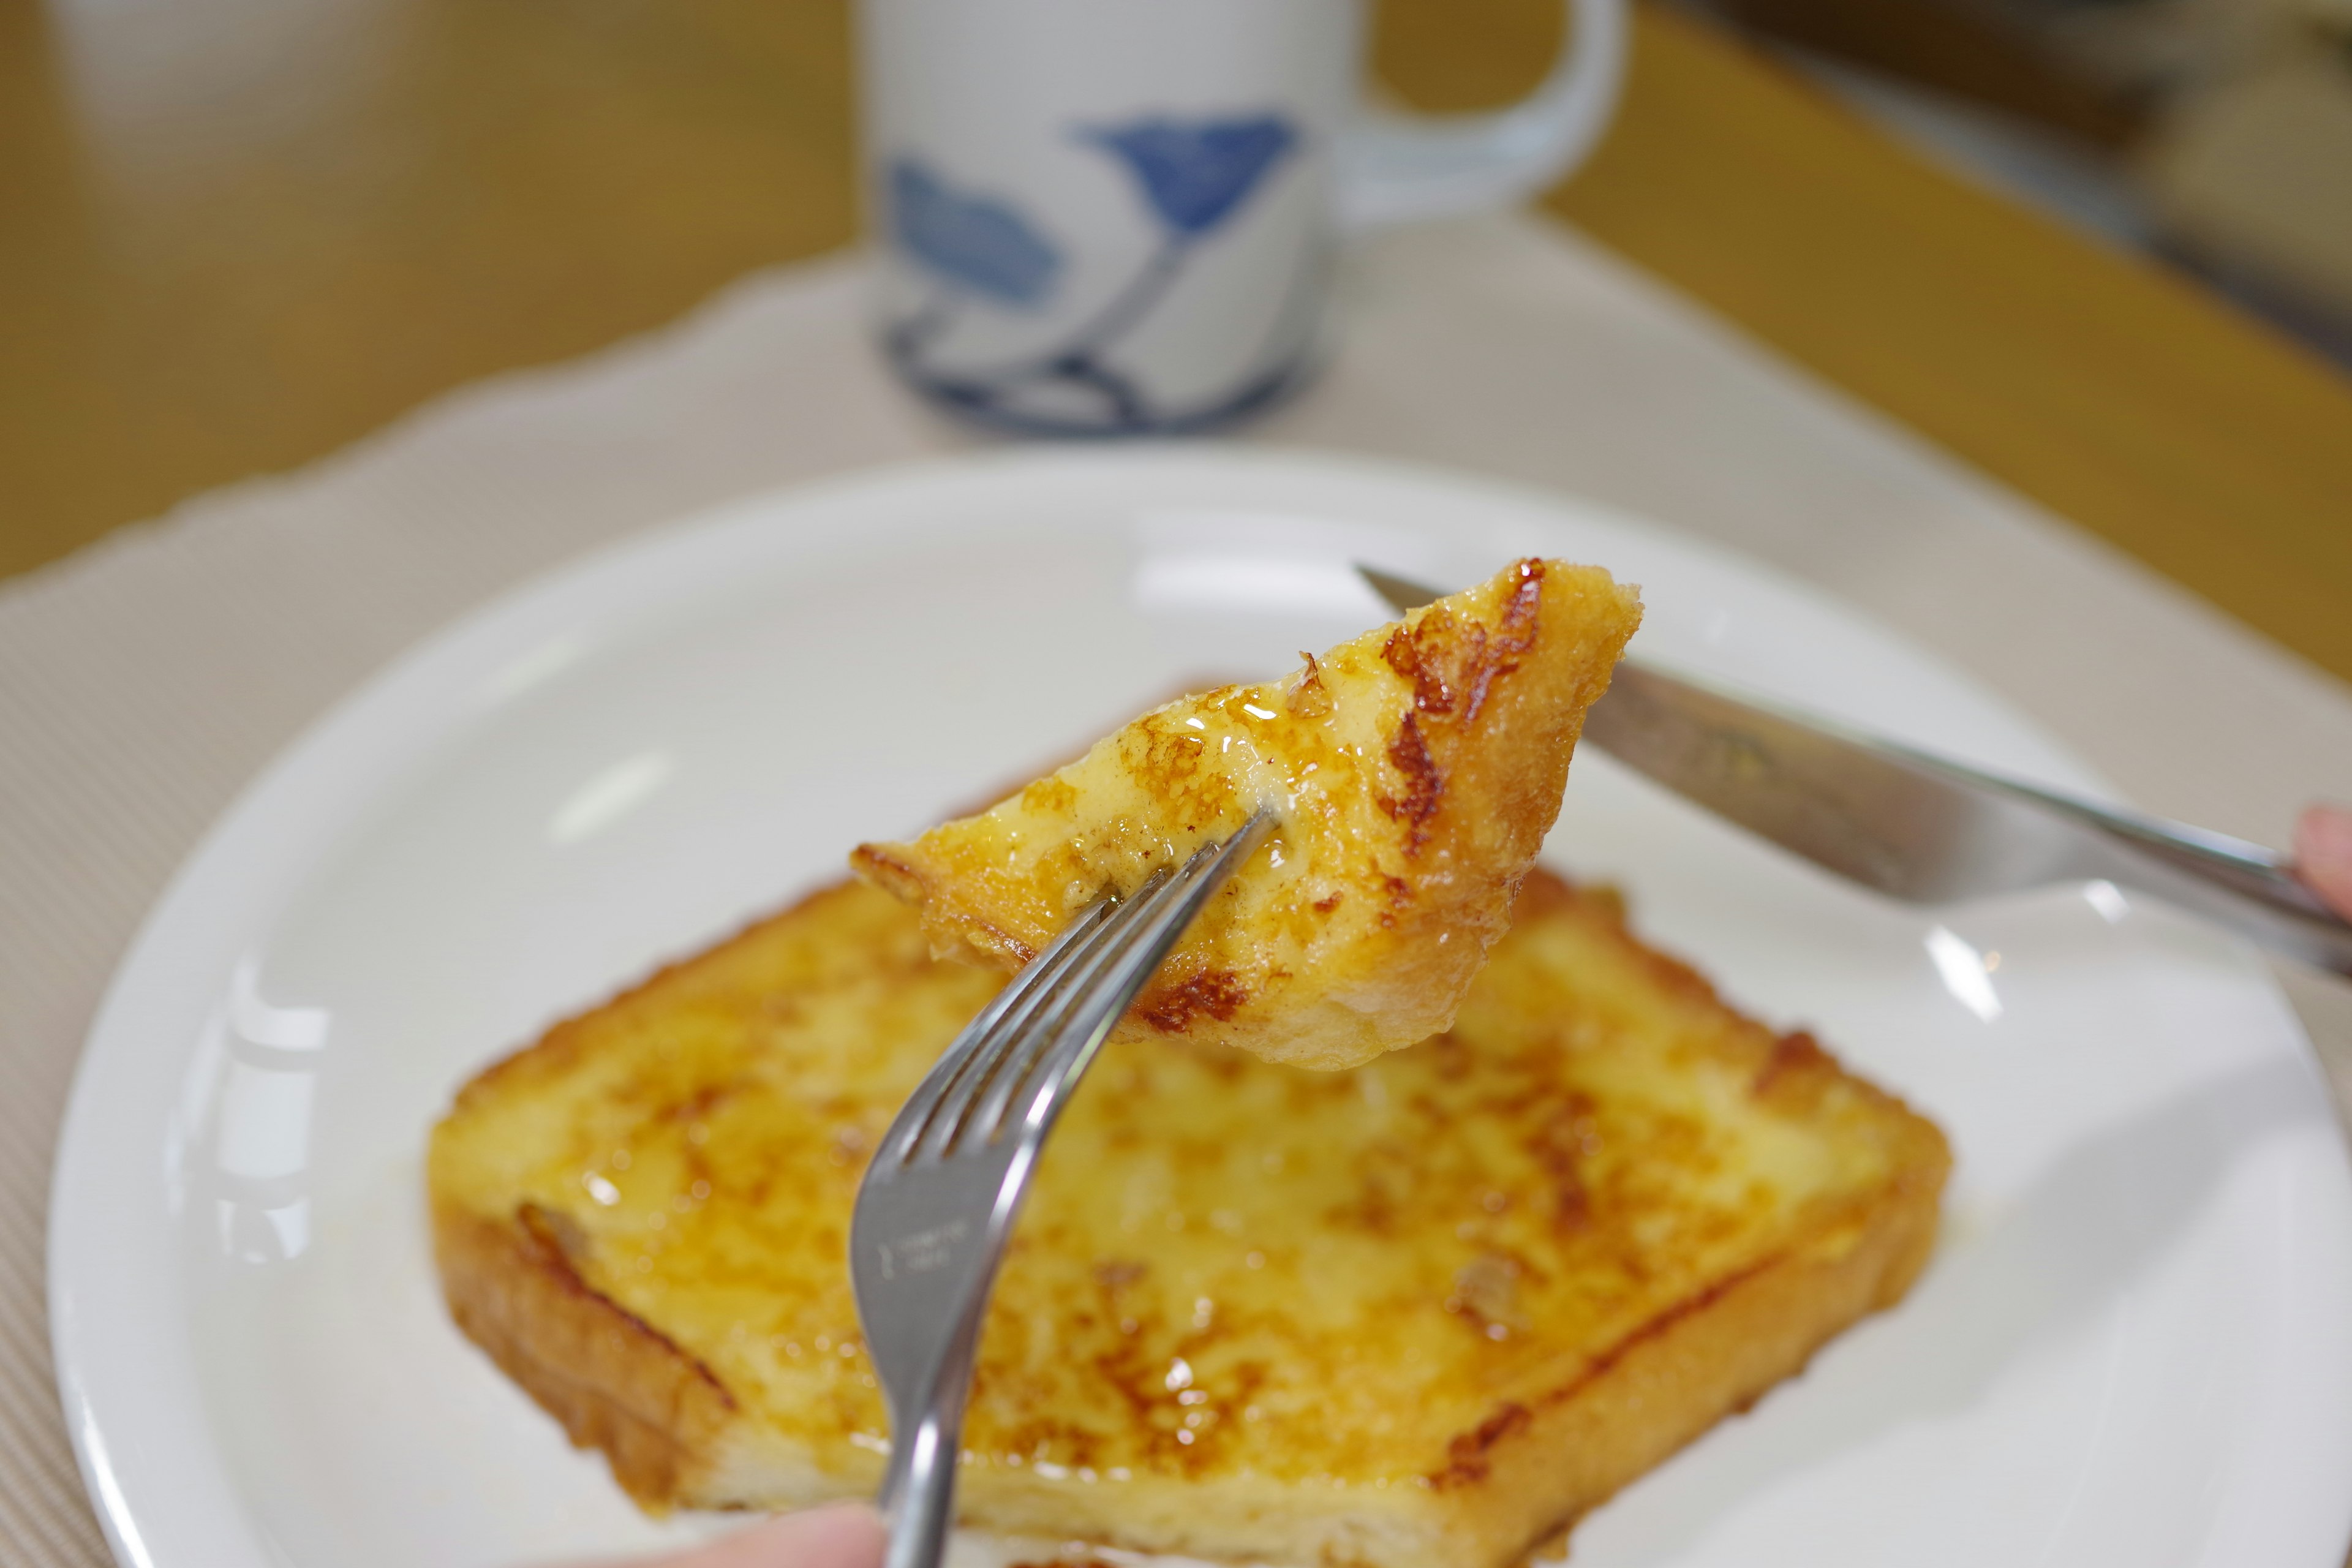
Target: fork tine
(1008, 1029)
(978, 1036)
(1052, 1014)
(926, 1238)
(1123, 970)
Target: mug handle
(1399, 168)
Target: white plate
(2132, 1349)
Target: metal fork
(940, 1198)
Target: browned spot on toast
(1049, 793)
(1409, 653)
(1466, 1455)
(1494, 657)
(1792, 1055)
(1215, 992)
(1454, 663)
(1425, 784)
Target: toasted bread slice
(1415, 769)
(1419, 1315)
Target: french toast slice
(1415, 769)
(1421, 1314)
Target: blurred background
(236, 234)
(2057, 293)
(2214, 134)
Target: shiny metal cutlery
(1920, 827)
(945, 1184)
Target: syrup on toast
(1416, 769)
(1418, 1315)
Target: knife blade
(1920, 827)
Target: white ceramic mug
(1119, 217)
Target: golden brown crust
(613, 1380)
(1415, 772)
(1718, 1350)
(549, 1056)
(1076, 1366)
(1711, 1355)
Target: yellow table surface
(235, 234)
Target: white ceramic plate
(2131, 1351)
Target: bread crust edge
(675, 1438)
(613, 1382)
(1679, 1374)
(672, 1434)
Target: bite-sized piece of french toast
(1418, 1315)
(1415, 770)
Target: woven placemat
(144, 681)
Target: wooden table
(238, 234)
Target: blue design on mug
(1193, 175)
(986, 245)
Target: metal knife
(1920, 827)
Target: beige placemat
(143, 682)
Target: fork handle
(918, 1488)
(921, 1506)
